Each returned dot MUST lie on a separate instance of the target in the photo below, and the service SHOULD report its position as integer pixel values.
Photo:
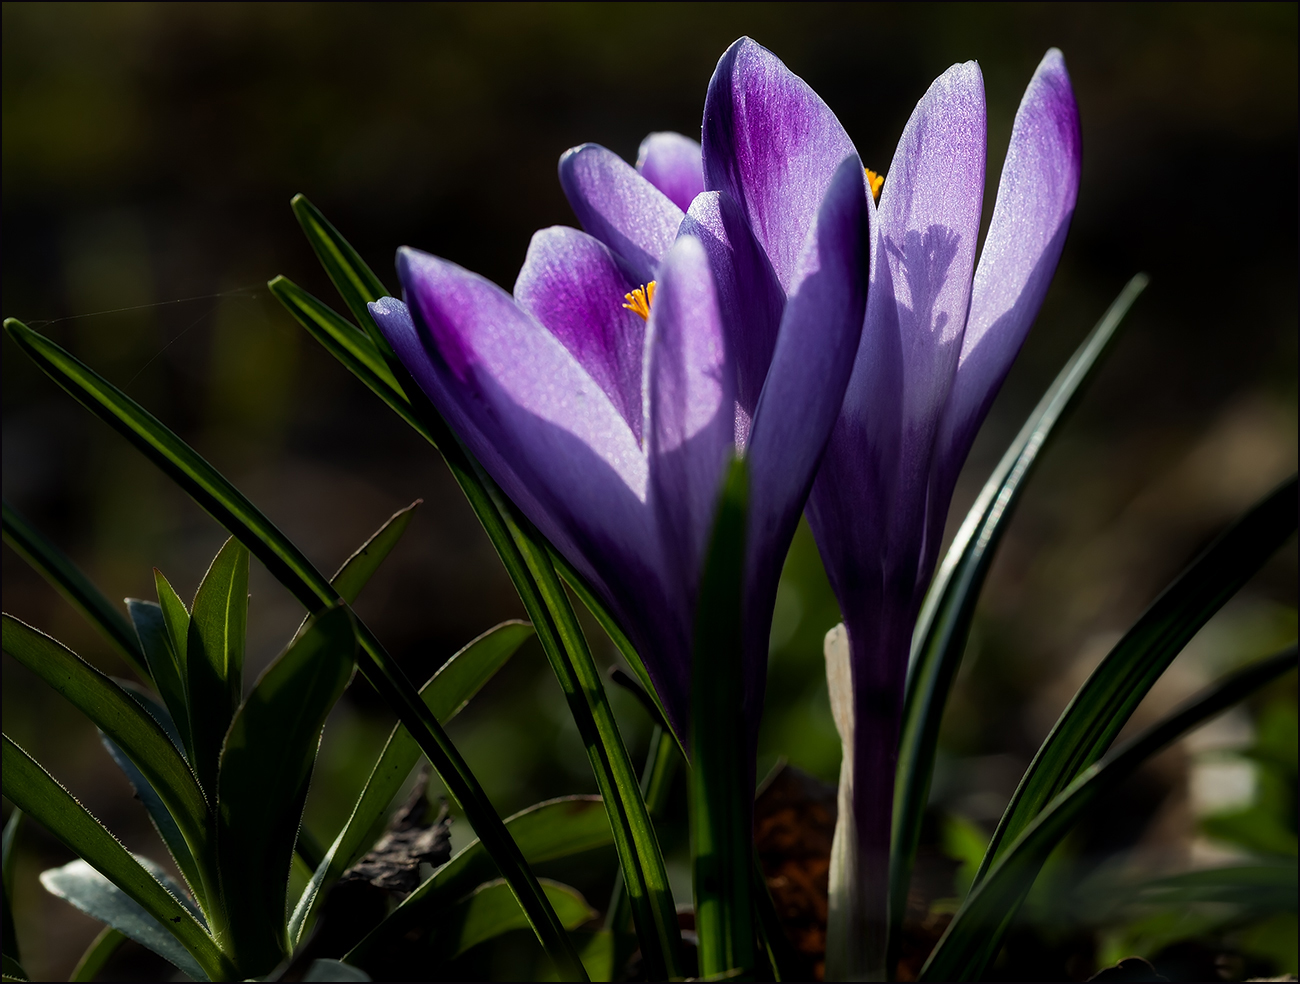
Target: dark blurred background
(150, 152)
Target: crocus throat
(639, 301)
(875, 182)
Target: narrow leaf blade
(33, 790)
(266, 765)
(721, 786)
(1108, 698)
(119, 716)
(976, 932)
(544, 832)
(445, 694)
(51, 562)
(944, 624)
(84, 887)
(167, 670)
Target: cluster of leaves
(224, 776)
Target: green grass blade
(82, 886)
(446, 694)
(640, 856)
(578, 584)
(358, 569)
(491, 910)
(168, 830)
(1105, 702)
(266, 767)
(120, 717)
(166, 668)
(214, 669)
(974, 936)
(290, 567)
(52, 564)
(331, 328)
(944, 623)
(355, 281)
(721, 791)
(97, 954)
(37, 794)
(544, 832)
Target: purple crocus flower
(936, 345)
(634, 358)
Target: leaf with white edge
(166, 669)
(96, 896)
(37, 794)
(215, 655)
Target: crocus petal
(572, 284)
(672, 164)
(1036, 196)
(772, 145)
(748, 294)
(928, 220)
(691, 399)
(814, 354)
(620, 208)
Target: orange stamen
(875, 182)
(639, 301)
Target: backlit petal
(671, 162)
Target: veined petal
(749, 296)
(620, 208)
(1036, 196)
(671, 162)
(928, 220)
(572, 284)
(772, 144)
(800, 403)
(691, 400)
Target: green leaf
(334, 970)
(266, 767)
(13, 970)
(114, 711)
(944, 624)
(37, 794)
(1108, 698)
(10, 862)
(1260, 888)
(544, 832)
(162, 819)
(445, 694)
(975, 934)
(287, 564)
(640, 856)
(97, 954)
(358, 568)
(81, 885)
(578, 584)
(165, 667)
(721, 797)
(491, 910)
(30, 544)
(354, 280)
(214, 657)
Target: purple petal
(672, 164)
(620, 208)
(772, 145)
(691, 400)
(928, 224)
(814, 354)
(749, 296)
(573, 285)
(1036, 196)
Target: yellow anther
(875, 182)
(639, 301)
